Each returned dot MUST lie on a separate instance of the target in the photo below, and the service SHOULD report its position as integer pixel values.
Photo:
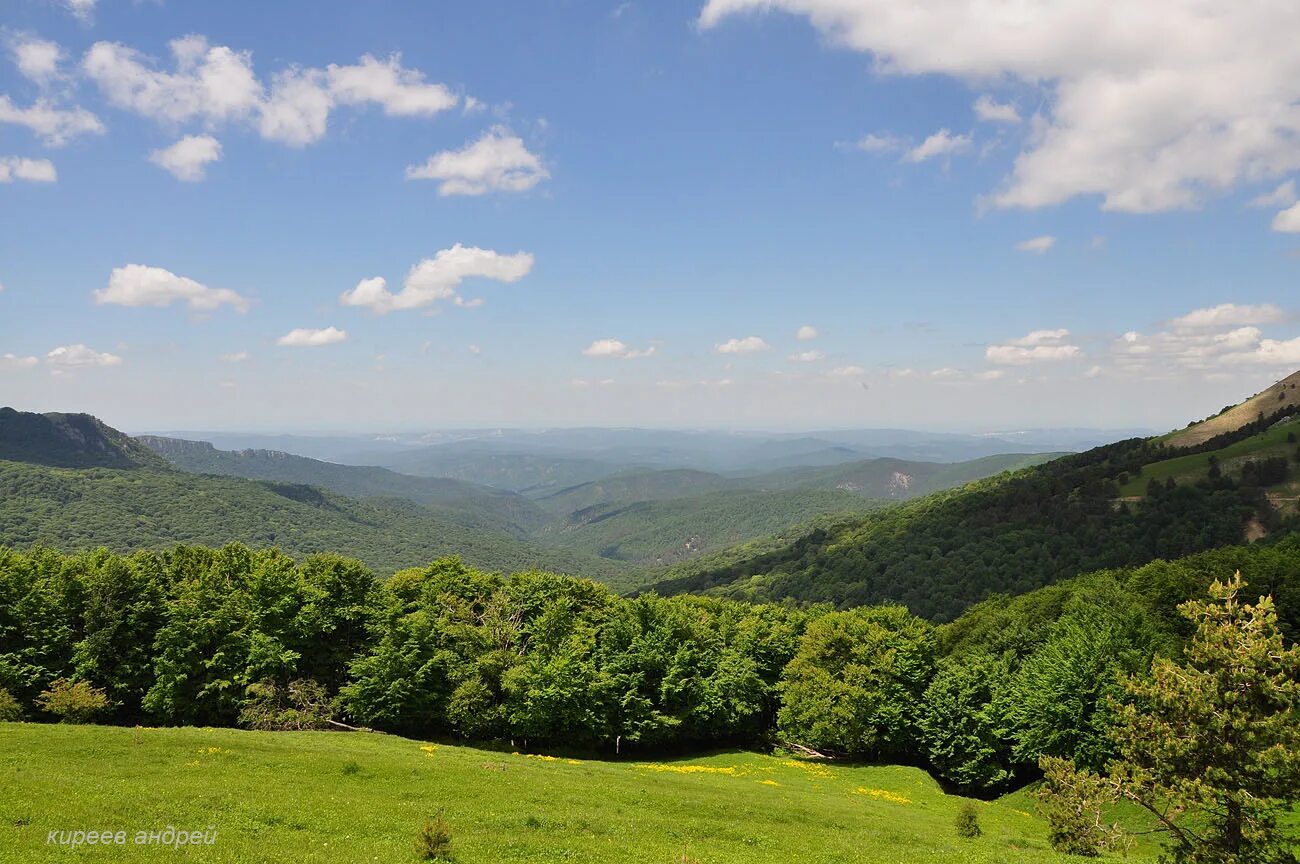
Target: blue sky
(660, 196)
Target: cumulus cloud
(747, 345)
(806, 332)
(215, 84)
(496, 162)
(941, 143)
(32, 170)
(1037, 244)
(437, 278)
(401, 92)
(1288, 221)
(14, 361)
(617, 349)
(990, 110)
(1228, 315)
(1269, 352)
(808, 356)
(1038, 346)
(188, 158)
(305, 337)
(37, 59)
(79, 356)
(212, 83)
(1149, 106)
(141, 285)
(55, 126)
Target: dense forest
(233, 636)
(1009, 534)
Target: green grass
(1196, 466)
(353, 798)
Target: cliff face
(70, 441)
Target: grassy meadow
(354, 798)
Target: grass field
(352, 798)
(1273, 442)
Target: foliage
(303, 704)
(72, 701)
(960, 724)
(1209, 747)
(856, 685)
(433, 843)
(1074, 803)
(10, 710)
(968, 821)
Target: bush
(433, 843)
(72, 701)
(303, 705)
(968, 821)
(10, 710)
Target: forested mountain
(69, 441)
(53, 493)
(1016, 532)
(513, 512)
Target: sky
(780, 214)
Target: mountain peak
(1283, 395)
(70, 441)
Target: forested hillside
(1009, 534)
(146, 508)
(69, 441)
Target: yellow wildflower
(883, 794)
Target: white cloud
(37, 59)
(237, 357)
(873, 143)
(1037, 244)
(747, 345)
(215, 84)
(498, 161)
(990, 375)
(1282, 196)
(14, 361)
(1269, 352)
(616, 348)
(305, 337)
(808, 356)
(401, 92)
(848, 371)
(1039, 346)
(188, 158)
(1288, 221)
(212, 83)
(437, 278)
(53, 125)
(941, 143)
(1041, 337)
(32, 170)
(991, 111)
(1150, 106)
(141, 285)
(806, 332)
(75, 356)
(81, 9)
(1228, 315)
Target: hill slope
(354, 481)
(69, 441)
(290, 796)
(1285, 394)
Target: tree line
(233, 636)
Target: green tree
(1210, 747)
(857, 683)
(961, 725)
